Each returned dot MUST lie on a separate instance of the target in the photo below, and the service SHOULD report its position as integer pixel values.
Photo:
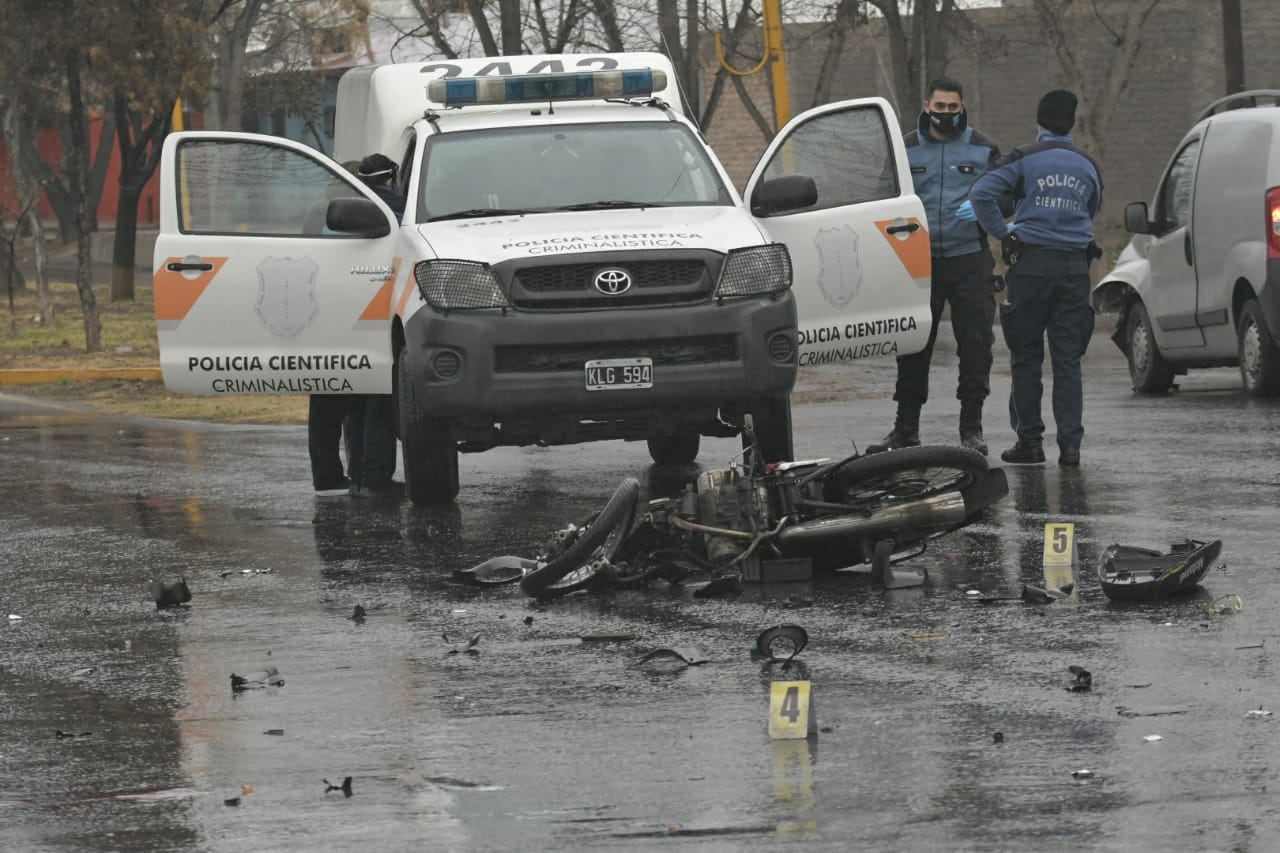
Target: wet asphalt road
(543, 742)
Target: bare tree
(1099, 90)
(919, 35)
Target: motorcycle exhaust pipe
(936, 511)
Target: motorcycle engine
(731, 501)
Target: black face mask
(946, 123)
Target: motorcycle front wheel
(577, 554)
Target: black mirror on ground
(357, 216)
(779, 195)
(1135, 218)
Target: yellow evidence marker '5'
(1059, 544)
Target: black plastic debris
(345, 787)
(1081, 679)
(60, 734)
(1036, 595)
(231, 801)
(170, 593)
(1082, 774)
(268, 677)
(723, 585)
(497, 571)
(606, 637)
(690, 655)
(357, 615)
(998, 737)
(470, 647)
(528, 620)
(780, 643)
(278, 732)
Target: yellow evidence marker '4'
(791, 711)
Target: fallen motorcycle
(764, 522)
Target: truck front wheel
(679, 447)
(430, 454)
(1259, 355)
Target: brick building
(1007, 64)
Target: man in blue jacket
(946, 157)
(1057, 189)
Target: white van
(573, 264)
(1199, 284)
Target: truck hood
(493, 240)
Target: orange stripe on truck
(379, 307)
(914, 250)
(175, 294)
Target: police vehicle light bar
(572, 86)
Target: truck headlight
(755, 271)
(459, 285)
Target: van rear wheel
(430, 454)
(1148, 370)
(1259, 356)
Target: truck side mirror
(779, 195)
(1135, 218)
(357, 216)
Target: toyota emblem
(613, 281)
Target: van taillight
(1273, 223)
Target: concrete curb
(50, 375)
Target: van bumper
(525, 371)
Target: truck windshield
(570, 166)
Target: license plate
(619, 374)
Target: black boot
(971, 426)
(905, 432)
(1024, 452)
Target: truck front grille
(707, 349)
(653, 281)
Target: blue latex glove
(1014, 226)
(965, 212)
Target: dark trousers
(372, 431)
(325, 417)
(965, 282)
(1048, 295)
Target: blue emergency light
(571, 86)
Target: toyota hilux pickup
(573, 263)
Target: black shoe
(1069, 456)
(973, 441)
(1024, 453)
(389, 489)
(337, 487)
(896, 440)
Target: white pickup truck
(573, 263)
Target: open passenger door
(254, 292)
(860, 250)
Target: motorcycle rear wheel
(906, 474)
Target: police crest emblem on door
(286, 294)
(839, 270)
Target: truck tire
(1259, 356)
(675, 448)
(1148, 370)
(772, 423)
(430, 455)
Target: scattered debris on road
(470, 647)
(1081, 679)
(268, 677)
(345, 787)
(170, 593)
(781, 643)
(1223, 604)
(689, 655)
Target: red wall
(49, 144)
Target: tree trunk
(78, 161)
(483, 30)
(671, 43)
(692, 58)
(512, 32)
(44, 299)
(124, 251)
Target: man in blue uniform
(1057, 189)
(946, 157)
